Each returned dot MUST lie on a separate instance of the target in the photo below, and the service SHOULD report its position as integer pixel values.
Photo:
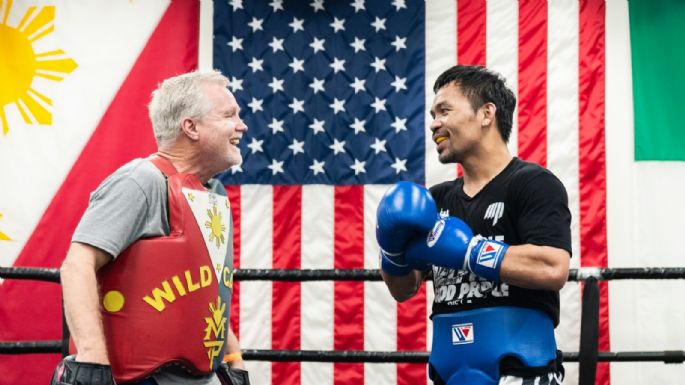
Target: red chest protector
(164, 299)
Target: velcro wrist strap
(484, 258)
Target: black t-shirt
(524, 204)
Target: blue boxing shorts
(468, 346)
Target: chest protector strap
(468, 346)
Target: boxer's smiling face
(456, 127)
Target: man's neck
(483, 167)
(185, 161)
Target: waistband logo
(462, 334)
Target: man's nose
(435, 124)
(242, 126)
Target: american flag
(336, 94)
(330, 94)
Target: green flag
(657, 34)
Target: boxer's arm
(544, 227)
(82, 301)
(403, 287)
(535, 267)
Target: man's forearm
(535, 267)
(82, 303)
(233, 351)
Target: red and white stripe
(592, 180)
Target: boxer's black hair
(481, 86)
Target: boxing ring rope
(669, 356)
(296, 275)
(587, 357)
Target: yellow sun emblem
(216, 227)
(3, 236)
(20, 64)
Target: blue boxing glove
(405, 212)
(451, 244)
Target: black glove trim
(71, 372)
(232, 376)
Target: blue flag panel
(332, 92)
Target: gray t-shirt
(131, 204)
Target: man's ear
(489, 110)
(190, 128)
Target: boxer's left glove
(70, 372)
(405, 212)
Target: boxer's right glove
(405, 212)
(70, 372)
(451, 244)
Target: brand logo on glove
(489, 255)
(434, 235)
(462, 334)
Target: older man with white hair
(148, 278)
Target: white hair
(180, 97)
